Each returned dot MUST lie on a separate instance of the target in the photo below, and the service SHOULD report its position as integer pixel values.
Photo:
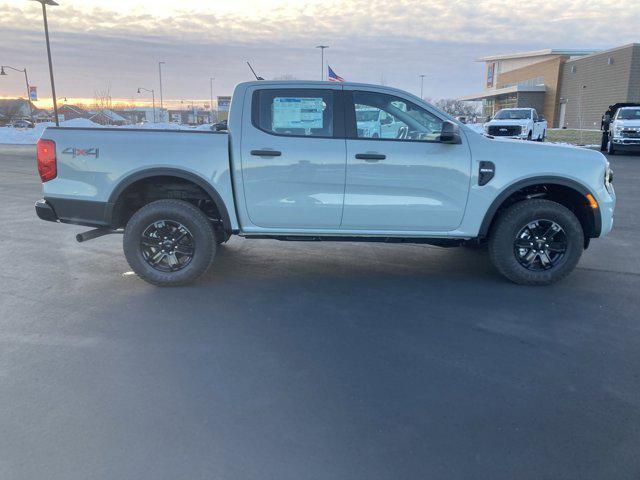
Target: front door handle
(370, 156)
(266, 153)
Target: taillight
(47, 167)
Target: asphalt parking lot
(313, 361)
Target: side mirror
(450, 133)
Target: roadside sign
(33, 94)
(223, 104)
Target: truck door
(411, 182)
(294, 157)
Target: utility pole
(44, 4)
(160, 75)
(211, 79)
(421, 86)
(322, 47)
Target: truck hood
(627, 123)
(543, 154)
(508, 122)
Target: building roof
(501, 91)
(539, 53)
(606, 52)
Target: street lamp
(153, 99)
(26, 81)
(421, 86)
(322, 47)
(44, 4)
(211, 79)
(160, 75)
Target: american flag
(333, 76)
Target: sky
(116, 45)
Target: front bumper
(45, 211)
(622, 143)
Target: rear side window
(297, 113)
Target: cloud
(120, 42)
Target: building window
(610, 61)
(573, 69)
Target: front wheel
(610, 149)
(536, 242)
(169, 242)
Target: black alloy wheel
(167, 245)
(540, 245)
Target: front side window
(302, 112)
(382, 116)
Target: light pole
(211, 79)
(44, 4)
(322, 47)
(153, 99)
(160, 75)
(26, 81)
(421, 86)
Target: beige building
(571, 88)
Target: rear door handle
(266, 153)
(370, 156)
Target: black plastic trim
(45, 211)
(79, 212)
(168, 172)
(507, 192)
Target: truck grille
(631, 133)
(504, 130)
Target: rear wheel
(536, 242)
(169, 242)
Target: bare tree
(458, 107)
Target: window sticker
(289, 112)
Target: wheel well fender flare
(169, 172)
(529, 182)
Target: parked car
(621, 128)
(521, 123)
(295, 166)
(21, 124)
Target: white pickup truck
(299, 163)
(521, 123)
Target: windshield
(629, 114)
(513, 115)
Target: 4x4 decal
(82, 152)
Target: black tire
(529, 136)
(508, 258)
(167, 214)
(610, 149)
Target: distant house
(145, 114)
(108, 117)
(12, 109)
(69, 112)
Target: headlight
(608, 176)
(524, 129)
(617, 131)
